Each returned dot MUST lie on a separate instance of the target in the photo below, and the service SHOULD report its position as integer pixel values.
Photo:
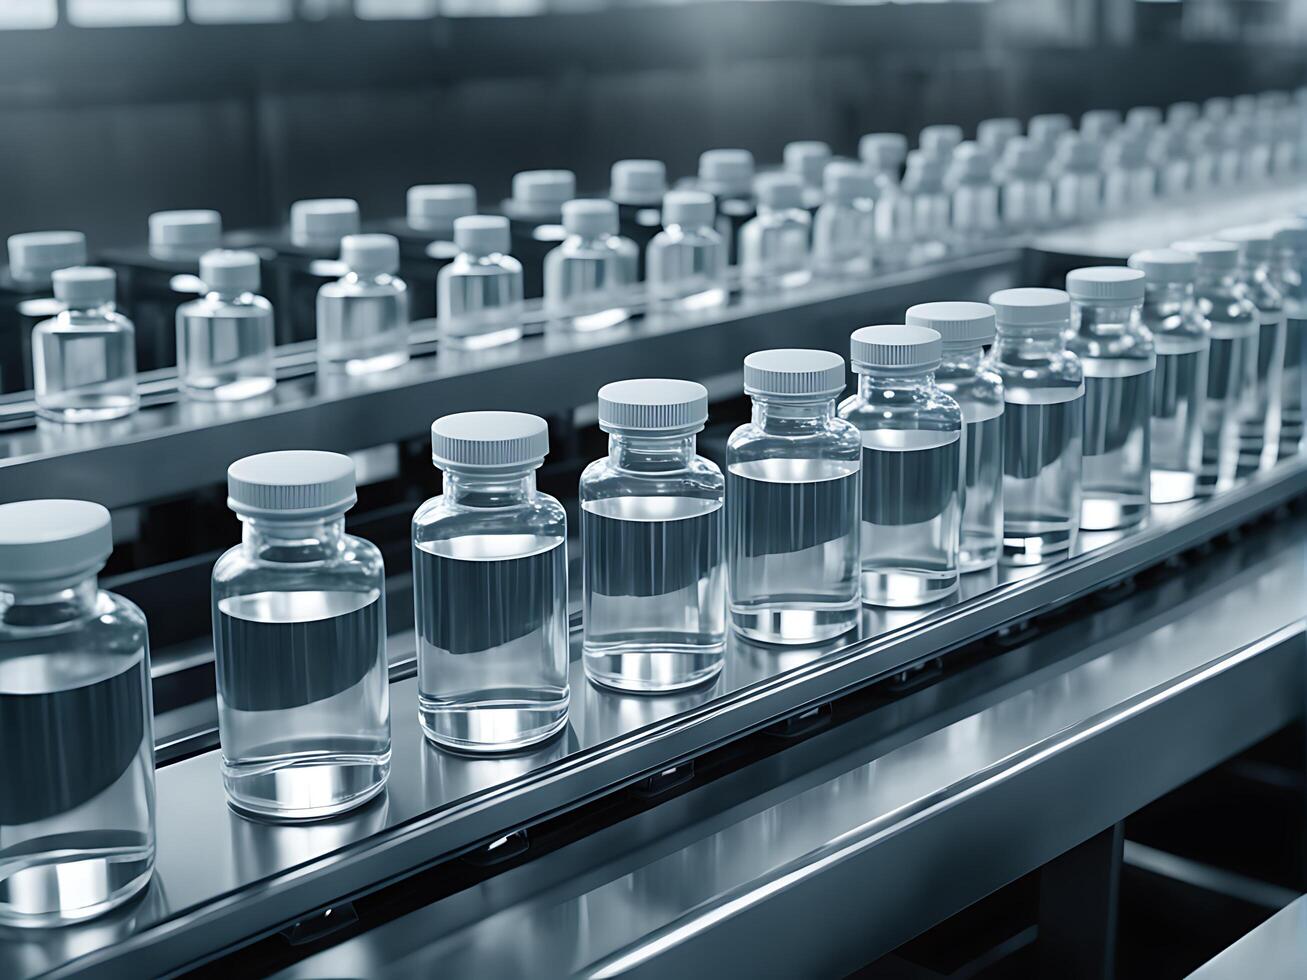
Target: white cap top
(895, 349)
(435, 207)
(940, 139)
(1165, 265)
(1098, 124)
(1144, 117)
(1256, 242)
(973, 161)
(1077, 154)
(1181, 113)
(34, 255)
(924, 173)
(1129, 149)
(482, 234)
(693, 209)
(370, 255)
(227, 271)
(590, 217)
(52, 540)
(807, 160)
(489, 440)
(323, 222)
(1292, 236)
(883, 151)
(996, 133)
(794, 372)
(779, 190)
(726, 172)
(961, 326)
(1105, 284)
(653, 405)
(1212, 253)
(638, 182)
(84, 286)
(1031, 307)
(543, 190)
(845, 182)
(1046, 128)
(1022, 158)
(291, 485)
(177, 234)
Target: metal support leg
(1078, 898)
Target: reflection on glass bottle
(687, 259)
(588, 278)
(363, 317)
(775, 245)
(479, 294)
(27, 296)
(225, 340)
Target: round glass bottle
(490, 588)
(299, 631)
(1181, 338)
(911, 466)
(76, 721)
(589, 276)
(843, 228)
(1117, 357)
(687, 259)
(479, 294)
(363, 317)
(775, 245)
(793, 506)
(1291, 277)
(225, 340)
(651, 536)
(1043, 423)
(965, 330)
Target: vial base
(653, 671)
(227, 388)
(978, 552)
(88, 408)
(282, 785)
(788, 625)
(41, 890)
(1104, 511)
(898, 588)
(1036, 547)
(353, 366)
(494, 721)
(603, 319)
(481, 340)
(1172, 486)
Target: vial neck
(1167, 298)
(1104, 318)
(788, 415)
(1028, 342)
(873, 385)
(369, 278)
(232, 297)
(97, 311)
(293, 541)
(651, 454)
(37, 604)
(962, 359)
(498, 488)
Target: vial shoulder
(442, 517)
(835, 437)
(602, 480)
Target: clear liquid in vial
(1231, 346)
(911, 512)
(76, 786)
(362, 327)
(84, 372)
(491, 620)
(982, 510)
(303, 701)
(1042, 432)
(1259, 425)
(655, 591)
(1115, 475)
(224, 351)
(793, 542)
(1179, 390)
(1294, 387)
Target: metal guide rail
(222, 879)
(172, 447)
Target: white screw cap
(323, 222)
(435, 207)
(84, 286)
(34, 255)
(370, 255)
(693, 209)
(482, 234)
(640, 183)
(807, 160)
(726, 172)
(590, 217)
(177, 234)
(50, 540)
(228, 271)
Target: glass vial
(426, 239)
(637, 188)
(1046, 129)
(363, 316)
(973, 195)
(84, 360)
(995, 134)
(1234, 323)
(27, 296)
(535, 213)
(775, 245)
(1117, 356)
(883, 154)
(651, 536)
(966, 329)
(225, 340)
(1259, 424)
(1182, 340)
(1291, 277)
(923, 183)
(687, 259)
(807, 160)
(299, 631)
(911, 467)
(1077, 180)
(1129, 180)
(479, 296)
(76, 720)
(309, 259)
(1025, 192)
(728, 176)
(793, 513)
(588, 278)
(490, 588)
(843, 228)
(1043, 424)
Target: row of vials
(978, 434)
